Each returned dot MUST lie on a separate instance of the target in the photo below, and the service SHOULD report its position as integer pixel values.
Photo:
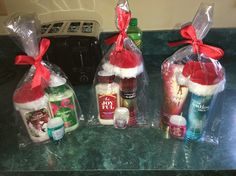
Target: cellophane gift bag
(119, 94)
(44, 95)
(195, 72)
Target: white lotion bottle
(108, 98)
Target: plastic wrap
(193, 70)
(120, 80)
(44, 95)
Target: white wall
(152, 14)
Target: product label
(37, 122)
(177, 131)
(66, 110)
(137, 43)
(198, 109)
(56, 133)
(107, 105)
(128, 95)
(174, 94)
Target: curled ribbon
(40, 70)
(123, 19)
(189, 33)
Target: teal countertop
(135, 151)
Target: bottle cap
(56, 80)
(105, 77)
(178, 120)
(55, 122)
(133, 22)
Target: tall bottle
(62, 102)
(108, 98)
(128, 92)
(134, 32)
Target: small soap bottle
(62, 102)
(107, 94)
(177, 126)
(56, 129)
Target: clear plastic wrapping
(44, 99)
(120, 82)
(195, 72)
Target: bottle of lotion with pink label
(108, 99)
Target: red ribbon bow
(189, 33)
(40, 70)
(123, 19)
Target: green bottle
(134, 33)
(62, 102)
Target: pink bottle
(174, 94)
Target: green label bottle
(134, 33)
(62, 102)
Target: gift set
(44, 99)
(193, 70)
(121, 81)
(192, 78)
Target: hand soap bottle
(62, 102)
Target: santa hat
(27, 97)
(202, 78)
(125, 64)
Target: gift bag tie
(40, 70)
(123, 19)
(189, 33)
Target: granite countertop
(105, 150)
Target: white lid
(56, 81)
(105, 73)
(178, 120)
(55, 122)
(121, 112)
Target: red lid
(26, 93)
(203, 73)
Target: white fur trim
(206, 90)
(33, 105)
(181, 79)
(123, 72)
